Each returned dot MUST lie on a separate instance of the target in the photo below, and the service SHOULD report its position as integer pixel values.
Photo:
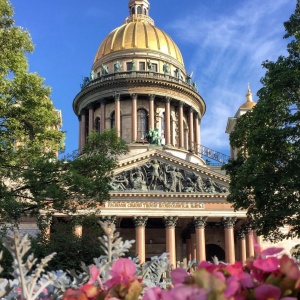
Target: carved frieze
(166, 205)
(156, 175)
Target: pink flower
(269, 264)
(122, 272)
(154, 293)
(181, 292)
(179, 275)
(267, 291)
(289, 267)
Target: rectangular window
(129, 66)
(142, 66)
(154, 67)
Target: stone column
(200, 223)
(197, 134)
(91, 118)
(140, 240)
(118, 114)
(250, 244)
(193, 245)
(134, 117)
(82, 129)
(170, 224)
(258, 239)
(151, 112)
(191, 129)
(78, 230)
(102, 116)
(242, 246)
(180, 125)
(189, 249)
(229, 223)
(79, 136)
(168, 121)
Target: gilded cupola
(139, 34)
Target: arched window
(142, 124)
(112, 120)
(133, 11)
(139, 10)
(97, 124)
(145, 11)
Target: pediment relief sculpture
(156, 175)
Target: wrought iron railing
(139, 74)
(213, 154)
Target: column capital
(191, 109)
(109, 220)
(102, 101)
(140, 221)
(133, 96)
(181, 103)
(90, 106)
(82, 111)
(168, 99)
(117, 97)
(170, 221)
(228, 222)
(151, 96)
(200, 222)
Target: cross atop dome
(139, 12)
(139, 7)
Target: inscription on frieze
(160, 176)
(173, 205)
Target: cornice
(102, 84)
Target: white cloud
(227, 52)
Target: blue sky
(223, 42)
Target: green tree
(265, 177)
(70, 249)
(32, 178)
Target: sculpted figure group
(160, 176)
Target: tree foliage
(32, 178)
(265, 177)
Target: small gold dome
(249, 104)
(138, 34)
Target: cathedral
(165, 193)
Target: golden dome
(138, 34)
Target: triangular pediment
(159, 171)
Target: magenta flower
(122, 272)
(289, 267)
(179, 275)
(154, 293)
(181, 292)
(267, 291)
(269, 264)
